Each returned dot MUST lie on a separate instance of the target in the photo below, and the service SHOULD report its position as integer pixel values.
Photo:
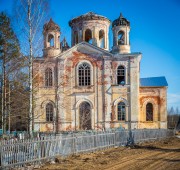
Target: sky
(155, 32)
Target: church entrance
(85, 116)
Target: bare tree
(9, 52)
(173, 117)
(31, 16)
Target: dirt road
(157, 155)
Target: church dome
(121, 21)
(88, 16)
(51, 26)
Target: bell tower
(121, 29)
(51, 39)
(92, 28)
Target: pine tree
(171, 111)
(19, 102)
(9, 51)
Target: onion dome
(121, 21)
(51, 26)
(88, 16)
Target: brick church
(90, 86)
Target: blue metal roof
(153, 82)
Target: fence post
(97, 141)
(174, 132)
(46, 147)
(114, 138)
(74, 143)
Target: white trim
(83, 100)
(44, 103)
(83, 43)
(120, 99)
(115, 104)
(43, 107)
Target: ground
(155, 155)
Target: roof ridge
(152, 77)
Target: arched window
(49, 112)
(149, 112)
(84, 74)
(48, 78)
(121, 38)
(121, 75)
(88, 36)
(101, 39)
(75, 37)
(51, 40)
(121, 111)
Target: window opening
(84, 74)
(102, 39)
(48, 77)
(121, 111)
(121, 38)
(49, 112)
(121, 75)
(88, 36)
(51, 40)
(149, 112)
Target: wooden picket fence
(19, 153)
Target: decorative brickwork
(96, 83)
